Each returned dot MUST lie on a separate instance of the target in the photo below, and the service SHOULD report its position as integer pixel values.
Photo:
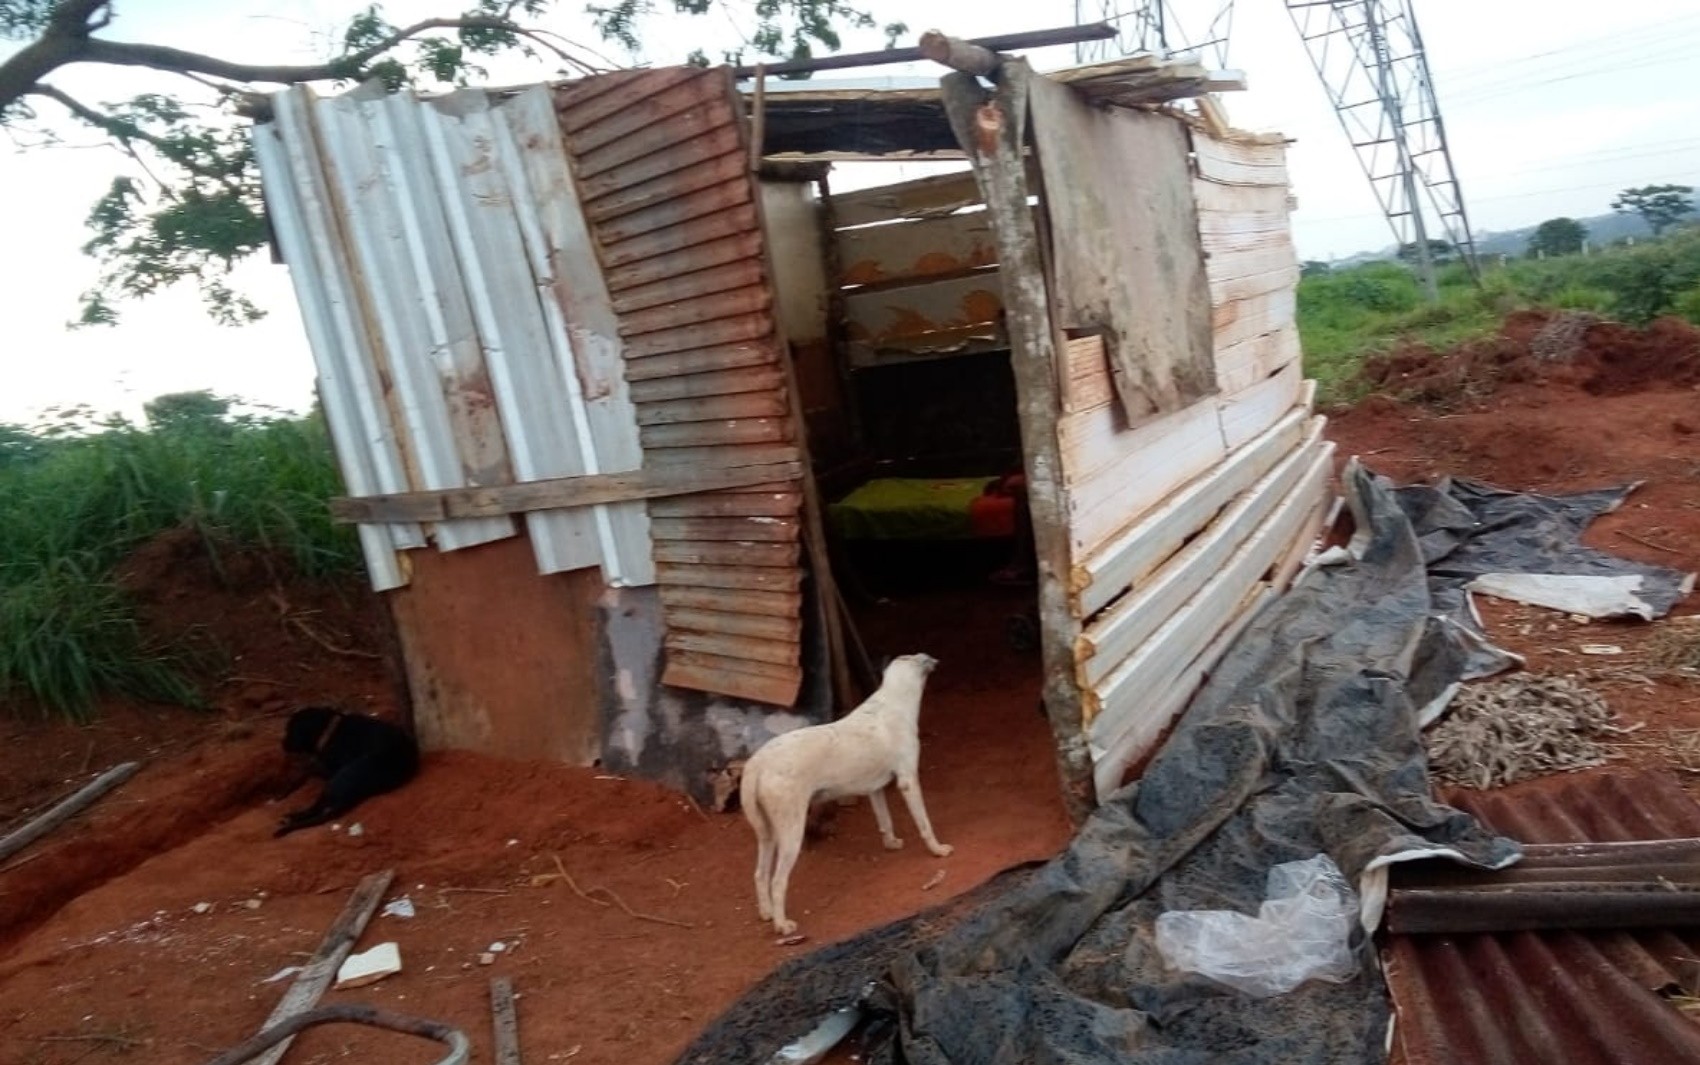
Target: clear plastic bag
(1302, 932)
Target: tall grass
(1347, 315)
(78, 495)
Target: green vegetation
(78, 494)
(1347, 315)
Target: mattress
(907, 508)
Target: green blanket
(901, 508)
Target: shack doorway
(894, 308)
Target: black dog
(357, 756)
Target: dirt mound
(265, 638)
(1547, 347)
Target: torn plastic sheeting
(1595, 597)
(1301, 932)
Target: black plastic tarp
(1304, 740)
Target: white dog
(858, 754)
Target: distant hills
(1603, 229)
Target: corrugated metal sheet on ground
(662, 166)
(1576, 998)
(428, 240)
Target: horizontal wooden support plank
(655, 270)
(674, 240)
(736, 684)
(1139, 549)
(942, 344)
(1127, 624)
(703, 385)
(724, 277)
(897, 315)
(667, 187)
(745, 529)
(757, 626)
(686, 575)
(1111, 759)
(709, 553)
(695, 313)
(737, 600)
(936, 194)
(776, 504)
(1158, 662)
(591, 490)
(1248, 413)
(746, 648)
(708, 434)
(933, 247)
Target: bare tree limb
(122, 132)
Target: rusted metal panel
(936, 317)
(662, 166)
(1575, 997)
(934, 247)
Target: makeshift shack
(608, 387)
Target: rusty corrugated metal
(662, 166)
(1579, 998)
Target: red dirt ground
(105, 958)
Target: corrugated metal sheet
(1573, 997)
(425, 238)
(662, 166)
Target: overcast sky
(1551, 105)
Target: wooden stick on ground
(67, 809)
(505, 1020)
(333, 950)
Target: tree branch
(176, 60)
(122, 132)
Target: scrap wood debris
(1523, 726)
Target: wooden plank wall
(663, 173)
(918, 271)
(1184, 525)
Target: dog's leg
(764, 854)
(788, 824)
(882, 814)
(910, 786)
(343, 792)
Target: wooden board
(692, 576)
(1244, 319)
(713, 383)
(1125, 247)
(938, 193)
(555, 493)
(751, 529)
(1232, 163)
(933, 247)
(1112, 757)
(1127, 624)
(1217, 199)
(769, 403)
(683, 671)
(762, 626)
(781, 503)
(1247, 414)
(901, 316)
(1240, 289)
(1086, 375)
(1241, 365)
(1114, 475)
(706, 553)
(1230, 264)
(741, 601)
(1158, 662)
(1139, 549)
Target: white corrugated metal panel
(463, 334)
(401, 271)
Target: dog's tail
(749, 797)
